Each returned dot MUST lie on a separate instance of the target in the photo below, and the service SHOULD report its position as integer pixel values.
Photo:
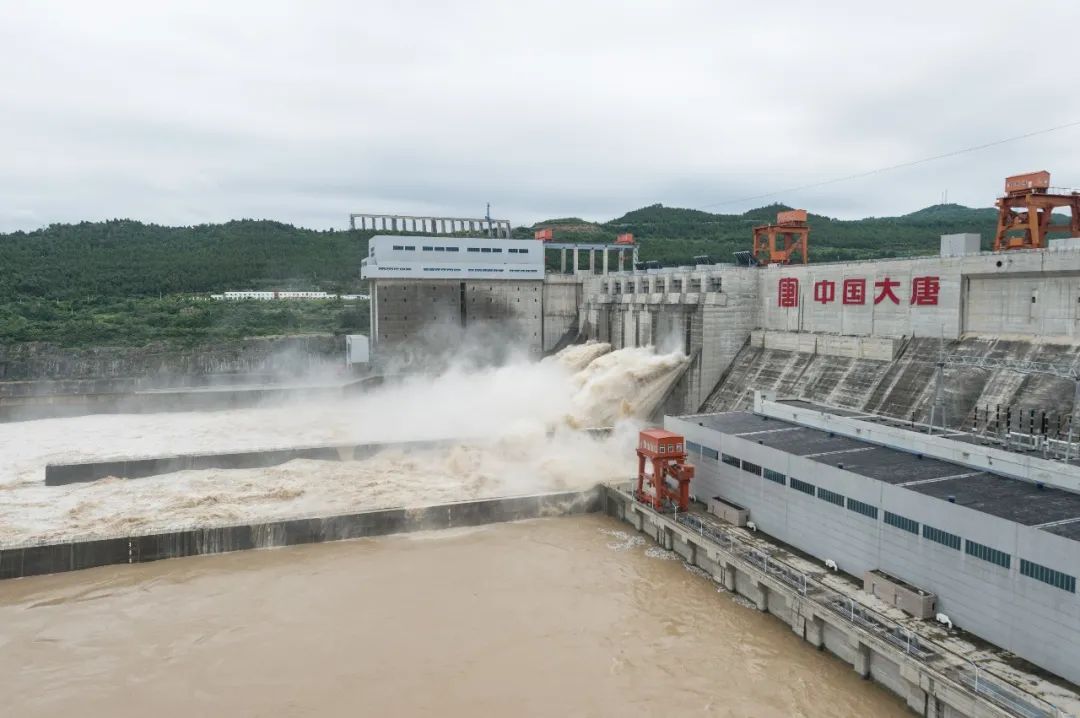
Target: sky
(182, 113)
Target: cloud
(191, 112)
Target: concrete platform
(142, 467)
(932, 680)
(116, 398)
(73, 555)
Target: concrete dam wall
(72, 367)
(858, 375)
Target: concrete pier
(925, 675)
(138, 468)
(76, 554)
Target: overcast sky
(181, 113)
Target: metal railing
(980, 681)
(975, 679)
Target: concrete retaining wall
(925, 687)
(33, 560)
(280, 356)
(61, 474)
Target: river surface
(553, 617)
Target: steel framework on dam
(777, 243)
(432, 226)
(1026, 210)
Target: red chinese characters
(824, 291)
(886, 286)
(854, 291)
(787, 293)
(924, 290)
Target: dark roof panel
(1020, 501)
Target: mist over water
(512, 428)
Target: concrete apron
(927, 691)
(73, 555)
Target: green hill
(672, 235)
(123, 281)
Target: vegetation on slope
(127, 282)
(675, 236)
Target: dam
(932, 399)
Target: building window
(398, 247)
(942, 537)
(710, 453)
(775, 476)
(451, 249)
(1057, 579)
(751, 468)
(485, 250)
(474, 249)
(410, 247)
(831, 496)
(693, 448)
(860, 508)
(426, 249)
(802, 486)
(987, 554)
(440, 249)
(497, 250)
(731, 461)
(902, 522)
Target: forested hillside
(127, 282)
(675, 236)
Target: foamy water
(502, 418)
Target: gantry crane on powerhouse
(663, 474)
(1026, 209)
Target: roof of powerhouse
(1020, 501)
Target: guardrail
(991, 687)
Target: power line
(893, 167)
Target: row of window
(988, 554)
(775, 476)
(486, 250)
(859, 507)
(942, 537)
(441, 249)
(1048, 575)
(902, 522)
(1030, 569)
(831, 496)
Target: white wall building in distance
(452, 258)
(272, 295)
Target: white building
(452, 258)
(271, 295)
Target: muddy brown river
(555, 617)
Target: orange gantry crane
(1024, 212)
(776, 243)
(665, 453)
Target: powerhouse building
(994, 534)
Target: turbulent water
(558, 617)
(501, 417)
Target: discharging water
(556, 617)
(501, 419)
